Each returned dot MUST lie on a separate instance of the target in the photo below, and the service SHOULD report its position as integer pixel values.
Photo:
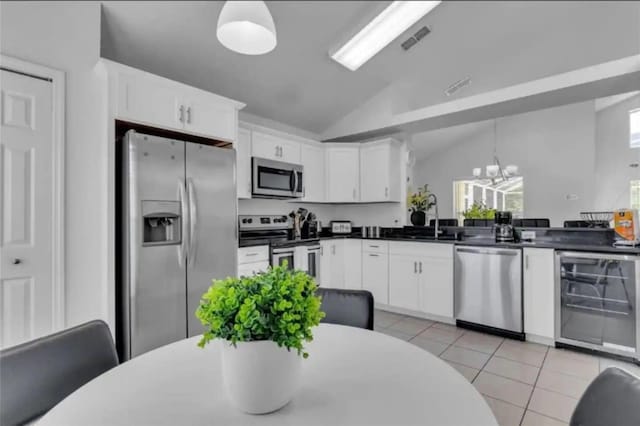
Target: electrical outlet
(571, 197)
(528, 235)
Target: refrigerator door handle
(182, 248)
(193, 221)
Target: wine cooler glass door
(598, 301)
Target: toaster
(340, 227)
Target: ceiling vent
(414, 39)
(457, 86)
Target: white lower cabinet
(341, 263)
(539, 287)
(403, 280)
(421, 277)
(435, 287)
(332, 263)
(353, 264)
(375, 271)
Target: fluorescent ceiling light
(382, 30)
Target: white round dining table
(352, 377)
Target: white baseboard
(416, 314)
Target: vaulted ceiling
(497, 44)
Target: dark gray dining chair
(36, 375)
(612, 399)
(347, 307)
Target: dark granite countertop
(597, 248)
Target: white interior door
(26, 153)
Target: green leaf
(279, 305)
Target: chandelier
(495, 173)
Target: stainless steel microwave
(276, 179)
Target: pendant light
(246, 27)
(495, 171)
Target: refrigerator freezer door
(155, 279)
(213, 248)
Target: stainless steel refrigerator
(179, 225)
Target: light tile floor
(525, 384)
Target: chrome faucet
(433, 197)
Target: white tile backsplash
(374, 214)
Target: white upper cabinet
(312, 160)
(538, 283)
(380, 177)
(149, 102)
(276, 148)
(206, 116)
(159, 102)
(342, 173)
(243, 163)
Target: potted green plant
(419, 204)
(479, 211)
(263, 322)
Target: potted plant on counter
(262, 321)
(479, 211)
(419, 204)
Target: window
(503, 195)
(634, 128)
(635, 194)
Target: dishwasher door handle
(513, 252)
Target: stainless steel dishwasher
(488, 289)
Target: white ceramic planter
(260, 377)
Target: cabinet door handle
(526, 261)
(333, 249)
(415, 267)
(277, 151)
(373, 255)
(354, 193)
(181, 116)
(420, 270)
(386, 192)
(189, 115)
(372, 246)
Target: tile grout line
(535, 385)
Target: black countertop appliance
(503, 228)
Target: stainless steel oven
(281, 255)
(276, 179)
(596, 302)
(300, 256)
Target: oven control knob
(244, 220)
(249, 220)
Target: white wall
(613, 156)
(381, 214)
(554, 149)
(66, 36)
